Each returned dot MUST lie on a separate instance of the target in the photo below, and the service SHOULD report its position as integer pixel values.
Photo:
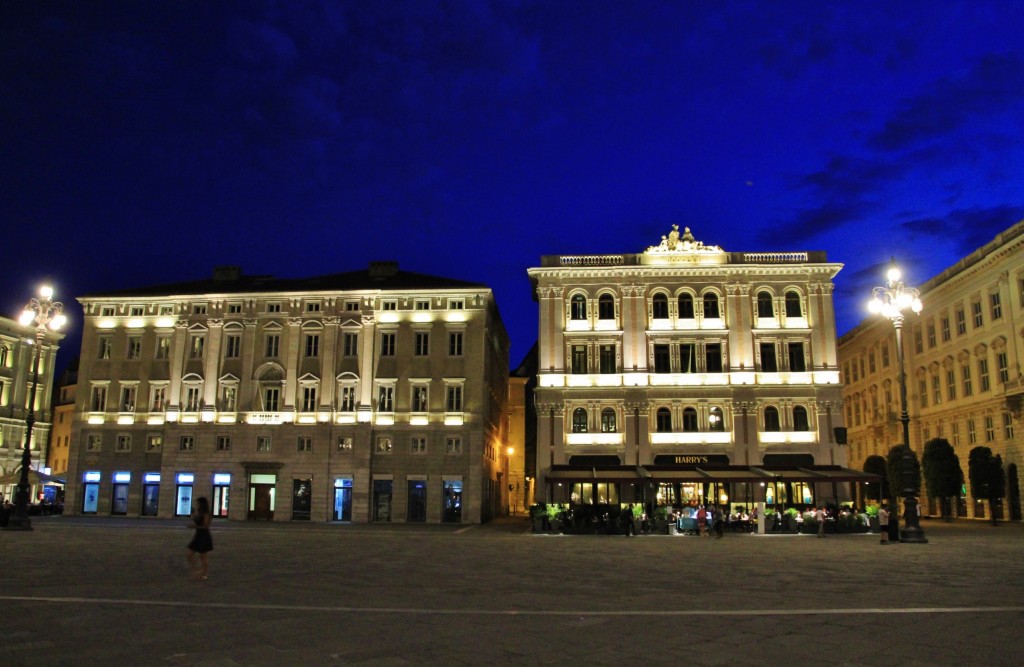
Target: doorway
(262, 496)
(417, 502)
(382, 499)
(342, 499)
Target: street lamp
(894, 301)
(43, 313)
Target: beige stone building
(374, 395)
(17, 351)
(687, 374)
(963, 360)
(63, 414)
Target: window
(166, 310)
(800, 420)
(659, 307)
(305, 443)
(918, 340)
(990, 429)
(418, 445)
(579, 359)
(983, 374)
(871, 361)
(347, 400)
(422, 347)
(764, 305)
(972, 436)
(223, 443)
(961, 322)
(187, 443)
(271, 399)
(387, 344)
(950, 385)
(312, 306)
(389, 305)
(579, 420)
(455, 344)
(127, 399)
(263, 443)
(965, 371)
(233, 346)
(422, 304)
(936, 390)
(419, 398)
(163, 347)
(136, 311)
(344, 444)
(98, 400)
(349, 344)
(685, 306)
(885, 356)
(716, 422)
(385, 399)
(608, 424)
(351, 306)
(578, 307)
(456, 304)
(196, 342)
(769, 364)
(793, 305)
(94, 443)
(687, 358)
(944, 323)
(1007, 426)
(105, 345)
(976, 314)
(607, 359)
(312, 345)
(606, 307)
(154, 443)
(134, 347)
(663, 420)
(713, 358)
(123, 444)
(274, 307)
(273, 346)
(711, 306)
(383, 445)
(107, 311)
(797, 362)
(199, 309)
(234, 308)
(771, 419)
(689, 420)
(922, 392)
(453, 445)
(931, 334)
(954, 430)
(454, 398)
(662, 359)
(193, 395)
(309, 399)
(1003, 367)
(158, 396)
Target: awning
(724, 474)
(826, 474)
(34, 477)
(594, 473)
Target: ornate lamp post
(894, 301)
(40, 312)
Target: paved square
(93, 591)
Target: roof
(228, 282)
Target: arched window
(711, 305)
(685, 306)
(793, 304)
(689, 420)
(764, 305)
(578, 307)
(663, 421)
(800, 421)
(608, 420)
(579, 420)
(660, 307)
(771, 419)
(716, 422)
(606, 307)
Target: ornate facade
(688, 374)
(372, 395)
(963, 361)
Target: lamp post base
(912, 530)
(913, 534)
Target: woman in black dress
(201, 543)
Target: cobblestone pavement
(93, 591)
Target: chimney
(382, 270)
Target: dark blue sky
(146, 142)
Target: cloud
(967, 228)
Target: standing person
(201, 543)
(819, 516)
(702, 521)
(719, 522)
(883, 524)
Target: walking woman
(201, 543)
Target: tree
(943, 477)
(875, 465)
(988, 481)
(898, 477)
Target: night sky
(147, 142)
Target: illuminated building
(963, 361)
(374, 395)
(63, 414)
(687, 374)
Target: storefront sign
(691, 460)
